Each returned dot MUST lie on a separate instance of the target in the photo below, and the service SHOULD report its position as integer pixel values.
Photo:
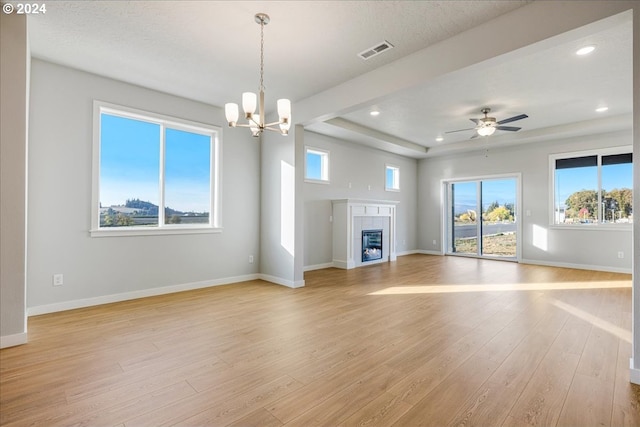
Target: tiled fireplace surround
(350, 217)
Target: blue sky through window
(502, 191)
(569, 181)
(130, 165)
(129, 160)
(314, 166)
(187, 171)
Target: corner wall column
(14, 90)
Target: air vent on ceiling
(375, 50)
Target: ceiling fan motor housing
(488, 121)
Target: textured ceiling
(209, 51)
(553, 86)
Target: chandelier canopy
(255, 122)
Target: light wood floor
(423, 341)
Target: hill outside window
(153, 174)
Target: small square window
(316, 165)
(392, 178)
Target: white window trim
(552, 187)
(215, 217)
(396, 177)
(326, 154)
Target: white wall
(596, 249)
(361, 167)
(59, 216)
(278, 233)
(14, 75)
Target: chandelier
(255, 122)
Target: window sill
(593, 227)
(316, 181)
(148, 231)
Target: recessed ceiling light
(601, 109)
(585, 50)
(375, 113)
(439, 139)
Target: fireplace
(353, 220)
(371, 245)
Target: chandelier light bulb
(249, 103)
(254, 125)
(284, 109)
(231, 112)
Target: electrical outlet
(434, 243)
(58, 280)
(250, 259)
(620, 254)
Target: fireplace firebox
(371, 245)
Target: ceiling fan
(486, 125)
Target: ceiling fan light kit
(486, 130)
(255, 122)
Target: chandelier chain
(262, 55)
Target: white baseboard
(13, 340)
(107, 299)
(412, 252)
(577, 266)
(281, 281)
(318, 266)
(345, 265)
(634, 374)
(426, 252)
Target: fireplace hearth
(371, 245)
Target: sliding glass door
(482, 217)
(464, 224)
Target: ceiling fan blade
(512, 119)
(508, 128)
(459, 130)
(476, 121)
(475, 135)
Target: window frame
(396, 180)
(599, 153)
(215, 220)
(324, 165)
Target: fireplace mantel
(350, 217)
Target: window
(316, 165)
(153, 174)
(392, 178)
(594, 187)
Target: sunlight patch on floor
(597, 322)
(447, 289)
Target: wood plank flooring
(426, 340)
